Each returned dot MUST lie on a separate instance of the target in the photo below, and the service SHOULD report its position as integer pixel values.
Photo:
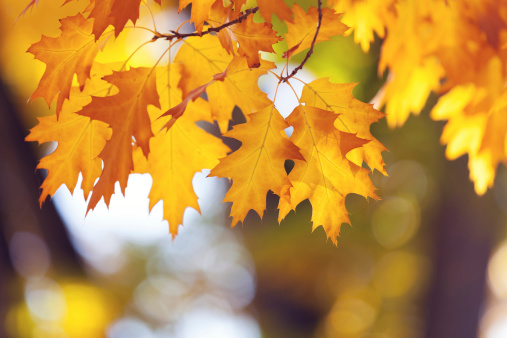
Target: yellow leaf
(175, 156)
(302, 31)
(79, 139)
(365, 18)
(326, 176)
(178, 153)
(202, 58)
(79, 143)
(258, 165)
(200, 11)
(354, 117)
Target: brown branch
(310, 52)
(177, 35)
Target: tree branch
(310, 52)
(177, 35)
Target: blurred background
(428, 260)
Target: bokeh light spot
(395, 222)
(399, 274)
(497, 272)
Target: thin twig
(179, 36)
(310, 52)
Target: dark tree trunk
(19, 209)
(464, 234)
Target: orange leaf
(126, 113)
(200, 11)
(194, 94)
(302, 31)
(354, 117)
(113, 12)
(70, 53)
(101, 15)
(123, 11)
(258, 165)
(278, 7)
(253, 38)
(238, 5)
(220, 15)
(326, 176)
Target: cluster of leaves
(116, 120)
(455, 48)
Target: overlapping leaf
(178, 153)
(220, 15)
(202, 58)
(70, 53)
(115, 13)
(147, 123)
(354, 117)
(79, 143)
(326, 176)
(200, 11)
(366, 18)
(254, 38)
(278, 7)
(126, 113)
(301, 32)
(452, 48)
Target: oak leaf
(79, 143)
(220, 15)
(254, 38)
(113, 12)
(202, 58)
(146, 120)
(238, 6)
(301, 32)
(408, 52)
(354, 117)
(200, 11)
(258, 165)
(101, 15)
(326, 176)
(175, 156)
(365, 18)
(70, 53)
(177, 111)
(122, 11)
(269, 7)
(178, 153)
(127, 115)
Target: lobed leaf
(258, 165)
(127, 115)
(325, 176)
(70, 53)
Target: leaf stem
(177, 35)
(310, 52)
